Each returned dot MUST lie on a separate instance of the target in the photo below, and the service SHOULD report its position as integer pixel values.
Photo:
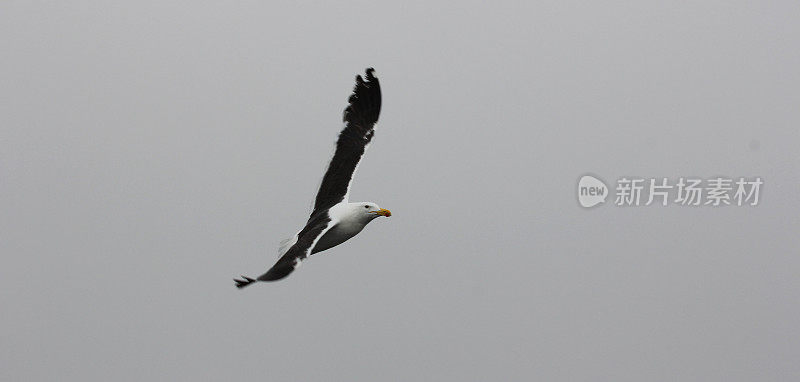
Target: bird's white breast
(337, 235)
(347, 223)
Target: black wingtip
(243, 283)
(280, 270)
(364, 104)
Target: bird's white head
(370, 210)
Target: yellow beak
(383, 212)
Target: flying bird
(335, 219)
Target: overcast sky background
(151, 151)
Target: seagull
(335, 219)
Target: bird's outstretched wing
(306, 240)
(359, 119)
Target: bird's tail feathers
(286, 244)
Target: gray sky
(151, 151)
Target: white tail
(286, 244)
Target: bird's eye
(366, 206)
